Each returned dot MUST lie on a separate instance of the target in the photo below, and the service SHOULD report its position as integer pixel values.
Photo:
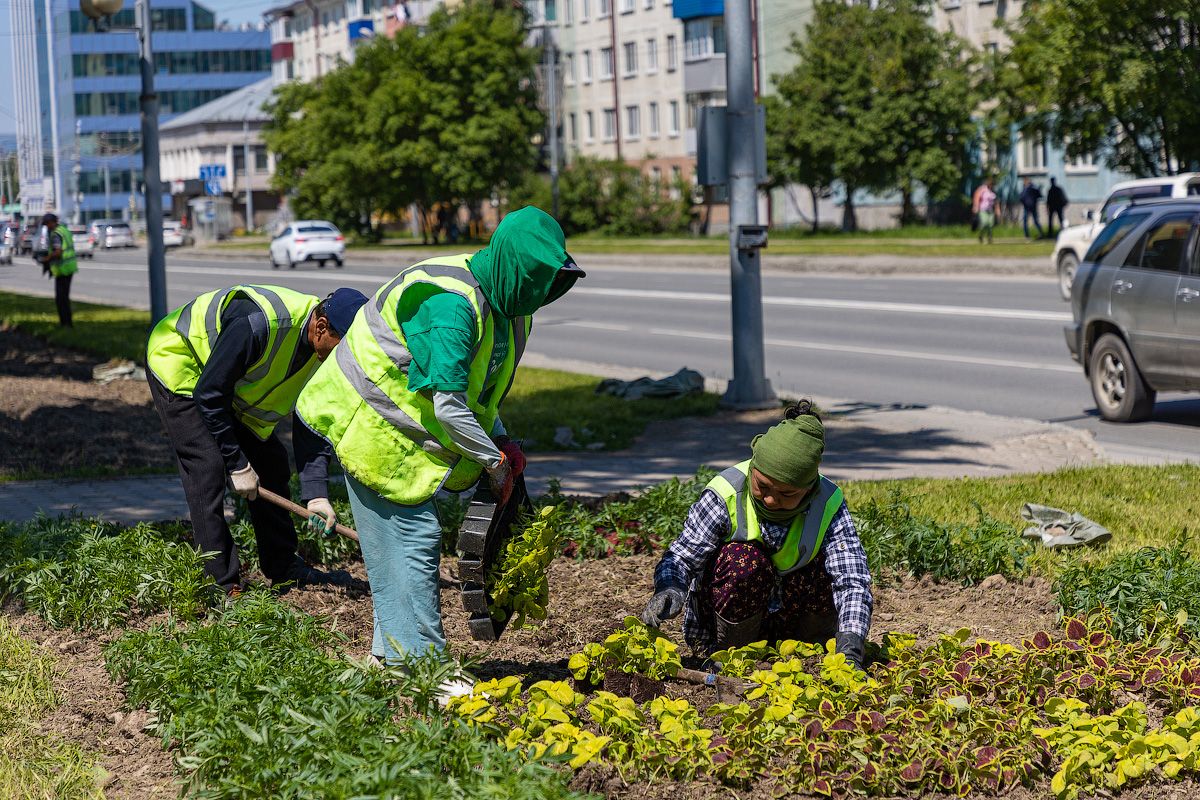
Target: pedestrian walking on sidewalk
(1031, 195)
(769, 551)
(224, 370)
(59, 262)
(1056, 204)
(411, 405)
(984, 206)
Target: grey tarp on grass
(1058, 528)
(684, 382)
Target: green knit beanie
(791, 451)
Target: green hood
(518, 266)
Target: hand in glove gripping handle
(324, 518)
(245, 482)
(663, 606)
(501, 478)
(513, 452)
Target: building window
(631, 64)
(651, 55)
(649, 4)
(574, 127)
(568, 12)
(569, 58)
(656, 175)
(672, 53)
(703, 38)
(676, 179)
(1031, 152)
(633, 121)
(260, 159)
(674, 128)
(591, 127)
(626, 6)
(606, 63)
(603, 8)
(652, 113)
(1083, 163)
(585, 10)
(587, 66)
(610, 124)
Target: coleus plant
(517, 584)
(957, 716)
(635, 648)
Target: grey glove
(663, 606)
(245, 482)
(853, 647)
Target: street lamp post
(101, 11)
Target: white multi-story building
(622, 75)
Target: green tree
(795, 157)
(1118, 79)
(880, 96)
(443, 113)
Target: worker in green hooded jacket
(411, 405)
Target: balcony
(704, 75)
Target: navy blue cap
(340, 307)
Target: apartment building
(623, 87)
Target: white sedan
(174, 234)
(308, 240)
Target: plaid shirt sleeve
(683, 564)
(846, 562)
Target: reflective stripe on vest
(385, 435)
(804, 536)
(67, 263)
(182, 342)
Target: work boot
(738, 634)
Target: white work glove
(245, 482)
(323, 518)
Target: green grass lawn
(1142, 506)
(541, 400)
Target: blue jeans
(401, 546)
(1030, 213)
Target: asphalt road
(973, 343)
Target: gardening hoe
(484, 531)
(301, 511)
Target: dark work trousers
(203, 472)
(62, 299)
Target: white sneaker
(454, 687)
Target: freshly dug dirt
(55, 420)
(93, 714)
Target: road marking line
(339, 276)
(818, 302)
(979, 361)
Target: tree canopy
(445, 113)
(879, 100)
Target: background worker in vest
(737, 588)
(410, 402)
(224, 370)
(58, 261)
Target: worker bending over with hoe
(411, 402)
(224, 370)
(769, 551)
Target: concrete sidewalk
(863, 442)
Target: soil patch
(93, 713)
(54, 420)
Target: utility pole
(55, 143)
(150, 168)
(552, 102)
(749, 387)
(616, 79)
(246, 159)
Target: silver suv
(1136, 308)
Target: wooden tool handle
(301, 511)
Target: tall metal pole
(616, 78)
(552, 102)
(246, 159)
(749, 387)
(107, 188)
(150, 173)
(55, 143)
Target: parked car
(1135, 306)
(6, 252)
(85, 245)
(28, 238)
(11, 235)
(175, 235)
(1073, 242)
(308, 240)
(110, 233)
